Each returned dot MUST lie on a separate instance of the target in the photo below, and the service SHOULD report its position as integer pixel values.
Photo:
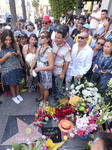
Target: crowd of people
(52, 56)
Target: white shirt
(29, 33)
(94, 22)
(81, 63)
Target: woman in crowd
(45, 64)
(11, 68)
(103, 65)
(72, 26)
(100, 41)
(29, 52)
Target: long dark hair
(34, 36)
(3, 36)
(48, 35)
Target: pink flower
(80, 132)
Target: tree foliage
(62, 6)
(35, 4)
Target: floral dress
(45, 77)
(11, 68)
(102, 62)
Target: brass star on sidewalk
(25, 132)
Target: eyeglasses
(100, 44)
(81, 37)
(42, 37)
(44, 23)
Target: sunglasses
(81, 37)
(100, 44)
(42, 37)
(44, 23)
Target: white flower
(86, 93)
(66, 89)
(77, 87)
(90, 84)
(72, 86)
(105, 117)
(95, 89)
(73, 91)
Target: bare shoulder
(25, 47)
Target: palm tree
(35, 4)
(13, 13)
(23, 9)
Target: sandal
(38, 99)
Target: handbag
(96, 77)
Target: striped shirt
(62, 54)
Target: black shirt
(76, 32)
(71, 17)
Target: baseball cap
(46, 19)
(87, 26)
(17, 33)
(30, 24)
(23, 35)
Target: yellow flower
(47, 109)
(49, 143)
(54, 109)
(51, 113)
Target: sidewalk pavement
(27, 107)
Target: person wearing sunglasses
(44, 61)
(91, 41)
(100, 41)
(81, 59)
(103, 66)
(62, 58)
(45, 26)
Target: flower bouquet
(85, 125)
(86, 90)
(109, 90)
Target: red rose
(32, 144)
(41, 125)
(35, 120)
(42, 118)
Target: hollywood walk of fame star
(25, 132)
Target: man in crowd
(82, 55)
(29, 28)
(70, 17)
(103, 25)
(68, 38)
(94, 18)
(62, 58)
(91, 41)
(77, 30)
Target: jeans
(69, 79)
(57, 86)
